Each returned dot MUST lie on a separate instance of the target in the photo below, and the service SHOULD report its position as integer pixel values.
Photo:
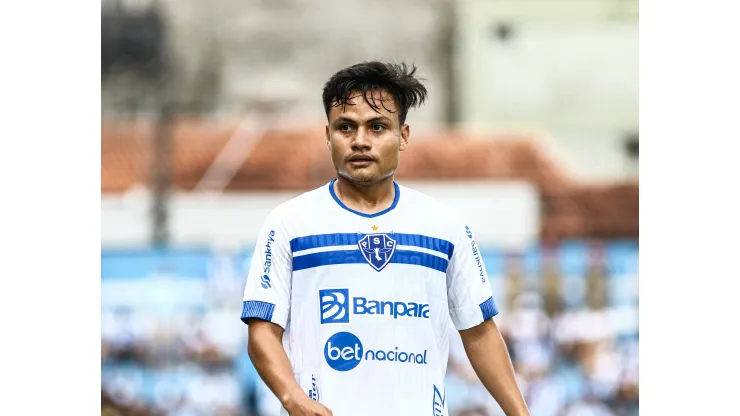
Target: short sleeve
(268, 288)
(468, 291)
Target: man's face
(365, 144)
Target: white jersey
(366, 300)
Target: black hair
(366, 77)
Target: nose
(361, 139)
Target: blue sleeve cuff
(257, 309)
(489, 309)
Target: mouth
(361, 160)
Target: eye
(378, 127)
(345, 127)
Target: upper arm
(262, 336)
(269, 281)
(469, 294)
(472, 334)
(259, 328)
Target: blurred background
(212, 115)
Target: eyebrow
(343, 119)
(379, 118)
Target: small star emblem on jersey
(374, 227)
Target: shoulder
(431, 207)
(297, 207)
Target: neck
(365, 197)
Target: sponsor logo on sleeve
(265, 282)
(268, 252)
(267, 264)
(476, 254)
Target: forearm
(487, 353)
(270, 360)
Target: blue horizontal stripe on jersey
(347, 239)
(257, 309)
(489, 309)
(328, 258)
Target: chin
(359, 177)
(363, 178)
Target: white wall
(567, 62)
(569, 70)
(501, 214)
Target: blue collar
(389, 209)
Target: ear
(405, 131)
(328, 142)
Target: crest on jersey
(377, 249)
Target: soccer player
(353, 285)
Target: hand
(304, 406)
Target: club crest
(377, 249)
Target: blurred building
(563, 69)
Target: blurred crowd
(573, 340)
(571, 357)
(185, 364)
